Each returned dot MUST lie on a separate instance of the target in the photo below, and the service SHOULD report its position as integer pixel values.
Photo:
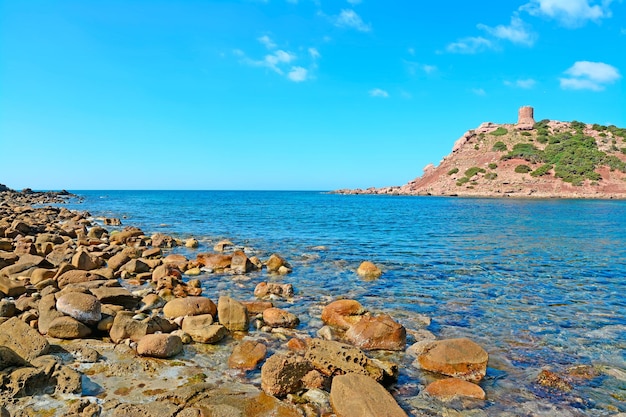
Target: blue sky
(286, 94)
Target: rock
(76, 276)
(125, 235)
(189, 306)
(7, 308)
(208, 334)
(191, 243)
(160, 240)
(214, 261)
(112, 221)
(368, 270)
(125, 327)
(68, 381)
(151, 302)
(83, 261)
(449, 388)
(197, 322)
(9, 358)
(11, 287)
(47, 312)
(7, 258)
(41, 274)
(276, 317)
(240, 264)
(83, 307)
(152, 253)
(354, 395)
(549, 379)
(159, 345)
(377, 333)
(459, 358)
(232, 314)
(274, 263)
(247, 355)
(343, 313)
(267, 288)
(334, 358)
(222, 245)
(66, 327)
(257, 307)
(22, 339)
(116, 261)
(117, 296)
(136, 266)
(282, 374)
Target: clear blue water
(540, 284)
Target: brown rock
(77, 276)
(449, 388)
(377, 333)
(459, 358)
(257, 307)
(68, 380)
(222, 245)
(232, 314)
(240, 264)
(368, 270)
(549, 379)
(7, 258)
(83, 307)
(112, 221)
(11, 287)
(354, 395)
(282, 374)
(214, 261)
(47, 312)
(266, 288)
(159, 345)
(208, 334)
(125, 235)
(117, 296)
(191, 243)
(189, 306)
(276, 317)
(334, 358)
(125, 327)
(159, 240)
(136, 266)
(41, 274)
(66, 327)
(116, 261)
(275, 262)
(83, 261)
(191, 323)
(343, 313)
(247, 355)
(22, 339)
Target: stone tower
(525, 120)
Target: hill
(545, 159)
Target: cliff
(545, 160)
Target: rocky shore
(110, 321)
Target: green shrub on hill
(526, 134)
(617, 131)
(526, 151)
(542, 170)
(492, 165)
(500, 131)
(470, 172)
(499, 147)
(453, 171)
(462, 181)
(491, 176)
(542, 139)
(523, 169)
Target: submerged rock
(276, 317)
(459, 358)
(247, 355)
(343, 313)
(354, 395)
(450, 388)
(368, 270)
(377, 333)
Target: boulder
(66, 327)
(214, 261)
(68, 381)
(450, 388)
(268, 288)
(196, 322)
(275, 262)
(136, 266)
(125, 327)
(41, 274)
(257, 307)
(77, 276)
(191, 243)
(368, 270)
(11, 287)
(7, 308)
(343, 313)
(247, 355)
(282, 374)
(276, 317)
(377, 333)
(222, 245)
(159, 240)
(47, 312)
(9, 358)
(84, 261)
(240, 264)
(458, 358)
(83, 307)
(7, 258)
(354, 395)
(334, 358)
(208, 334)
(232, 314)
(189, 306)
(117, 296)
(159, 345)
(22, 339)
(116, 261)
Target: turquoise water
(539, 284)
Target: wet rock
(276, 317)
(354, 395)
(343, 313)
(222, 245)
(257, 307)
(159, 345)
(189, 306)
(151, 302)
(276, 261)
(83, 307)
(334, 358)
(267, 288)
(159, 240)
(216, 262)
(247, 355)
(22, 339)
(208, 334)
(66, 327)
(67, 380)
(232, 314)
(240, 264)
(450, 388)
(551, 380)
(282, 374)
(377, 333)
(459, 358)
(368, 270)
(125, 327)
(112, 221)
(191, 243)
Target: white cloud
(349, 18)
(415, 67)
(470, 45)
(526, 84)
(570, 13)
(315, 54)
(517, 32)
(377, 92)
(586, 75)
(267, 41)
(279, 57)
(479, 92)
(297, 74)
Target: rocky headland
(100, 318)
(528, 159)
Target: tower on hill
(525, 118)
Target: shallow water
(538, 283)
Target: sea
(539, 284)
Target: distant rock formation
(525, 119)
(4, 188)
